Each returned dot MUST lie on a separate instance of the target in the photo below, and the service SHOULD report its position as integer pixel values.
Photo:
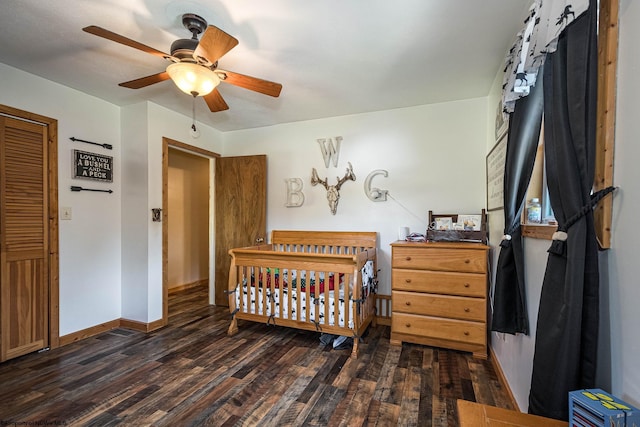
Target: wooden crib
(322, 281)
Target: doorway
(187, 228)
(237, 213)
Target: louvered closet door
(23, 238)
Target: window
(538, 190)
(607, 65)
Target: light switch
(65, 213)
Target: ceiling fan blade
(145, 81)
(109, 35)
(215, 102)
(213, 44)
(252, 83)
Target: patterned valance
(542, 27)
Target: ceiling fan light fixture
(193, 79)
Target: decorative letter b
(295, 196)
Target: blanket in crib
(275, 302)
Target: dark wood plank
(428, 386)
(192, 373)
(410, 406)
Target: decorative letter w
(330, 151)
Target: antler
(349, 175)
(315, 179)
(333, 196)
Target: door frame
(166, 144)
(54, 254)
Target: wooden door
(24, 238)
(241, 211)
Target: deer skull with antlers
(333, 195)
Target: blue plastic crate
(597, 408)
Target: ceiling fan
(194, 63)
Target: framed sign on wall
(93, 166)
(495, 174)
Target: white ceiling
(333, 57)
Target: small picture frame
(443, 223)
(470, 222)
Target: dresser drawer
(436, 327)
(439, 305)
(440, 282)
(441, 259)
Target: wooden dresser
(439, 295)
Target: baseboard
(89, 332)
(108, 326)
(503, 380)
(141, 326)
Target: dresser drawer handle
(467, 309)
(408, 258)
(467, 261)
(407, 280)
(466, 285)
(408, 302)
(408, 325)
(466, 333)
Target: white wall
(434, 155)
(135, 251)
(618, 370)
(90, 242)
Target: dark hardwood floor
(191, 373)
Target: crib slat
(349, 313)
(263, 289)
(336, 298)
(307, 291)
(311, 303)
(242, 276)
(259, 299)
(325, 295)
(298, 294)
(269, 289)
(252, 304)
(289, 288)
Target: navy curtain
(509, 300)
(567, 327)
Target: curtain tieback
(558, 245)
(506, 241)
(560, 235)
(506, 237)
